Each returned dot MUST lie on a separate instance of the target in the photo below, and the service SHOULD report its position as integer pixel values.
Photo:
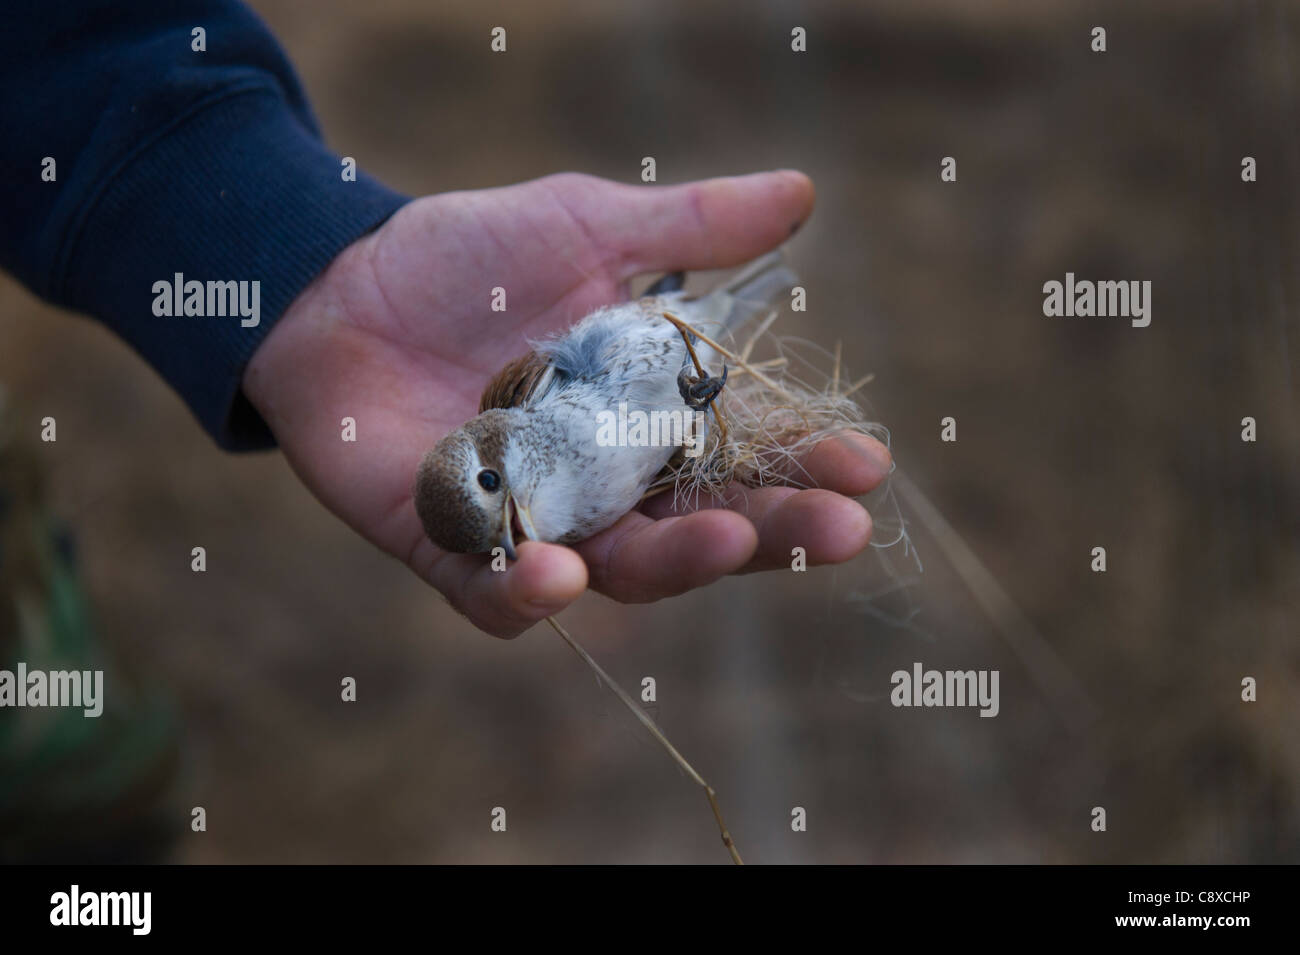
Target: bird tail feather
(753, 291)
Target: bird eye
(489, 480)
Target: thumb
(709, 224)
(545, 579)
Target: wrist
(305, 353)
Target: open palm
(398, 334)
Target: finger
(830, 527)
(850, 463)
(710, 224)
(639, 559)
(543, 581)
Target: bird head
(463, 492)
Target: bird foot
(698, 393)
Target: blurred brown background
(1072, 434)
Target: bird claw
(699, 393)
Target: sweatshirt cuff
(236, 190)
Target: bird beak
(526, 521)
(508, 531)
(507, 542)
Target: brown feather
(514, 384)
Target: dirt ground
(1072, 434)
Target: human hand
(397, 333)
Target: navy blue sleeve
(168, 161)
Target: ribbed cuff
(238, 191)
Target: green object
(73, 788)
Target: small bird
(532, 455)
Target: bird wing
(518, 382)
(753, 290)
